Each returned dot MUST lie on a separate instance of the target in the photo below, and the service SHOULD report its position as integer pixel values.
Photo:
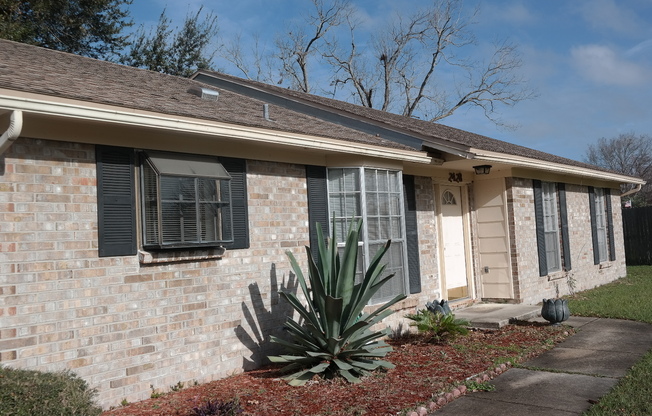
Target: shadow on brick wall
(263, 322)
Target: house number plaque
(455, 177)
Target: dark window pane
(209, 217)
(191, 210)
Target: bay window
(376, 197)
(185, 201)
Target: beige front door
(493, 239)
(453, 243)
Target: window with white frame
(601, 224)
(551, 217)
(376, 197)
(185, 201)
(551, 226)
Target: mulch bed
(426, 374)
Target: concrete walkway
(566, 380)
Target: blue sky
(590, 61)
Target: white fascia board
(519, 161)
(129, 117)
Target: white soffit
(118, 115)
(519, 161)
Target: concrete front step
(497, 315)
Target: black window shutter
(412, 233)
(317, 204)
(237, 168)
(116, 202)
(541, 232)
(610, 225)
(563, 213)
(594, 226)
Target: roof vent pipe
(13, 132)
(266, 112)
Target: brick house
(144, 218)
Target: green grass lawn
(627, 298)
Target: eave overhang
(464, 157)
(529, 163)
(70, 109)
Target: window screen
(376, 196)
(185, 201)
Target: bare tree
(400, 74)
(416, 65)
(628, 154)
(255, 65)
(300, 43)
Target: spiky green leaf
(300, 378)
(320, 355)
(342, 365)
(319, 368)
(349, 376)
(299, 273)
(289, 345)
(346, 274)
(368, 365)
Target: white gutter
(187, 125)
(553, 167)
(13, 132)
(632, 191)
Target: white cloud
(640, 49)
(516, 13)
(603, 65)
(610, 15)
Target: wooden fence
(637, 225)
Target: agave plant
(336, 338)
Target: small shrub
(217, 408)
(29, 393)
(472, 385)
(438, 326)
(155, 393)
(177, 387)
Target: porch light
(482, 169)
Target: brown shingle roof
(41, 71)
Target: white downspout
(13, 132)
(633, 191)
